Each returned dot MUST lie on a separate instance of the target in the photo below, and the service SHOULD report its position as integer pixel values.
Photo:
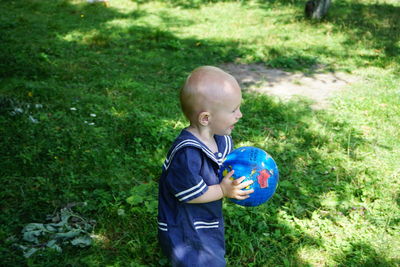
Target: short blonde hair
(202, 85)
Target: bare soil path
(319, 86)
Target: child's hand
(233, 188)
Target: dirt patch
(319, 86)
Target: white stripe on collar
(228, 145)
(206, 150)
(187, 142)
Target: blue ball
(256, 165)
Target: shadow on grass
(375, 24)
(66, 56)
(307, 174)
(372, 25)
(191, 4)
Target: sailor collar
(187, 139)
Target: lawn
(89, 107)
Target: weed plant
(89, 108)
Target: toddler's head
(211, 98)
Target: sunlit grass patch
(89, 107)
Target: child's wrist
(222, 190)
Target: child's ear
(204, 118)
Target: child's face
(225, 115)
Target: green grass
(338, 200)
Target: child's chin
(228, 131)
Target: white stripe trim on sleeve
(194, 193)
(190, 189)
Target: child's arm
(227, 188)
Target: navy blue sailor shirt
(192, 234)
